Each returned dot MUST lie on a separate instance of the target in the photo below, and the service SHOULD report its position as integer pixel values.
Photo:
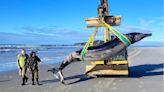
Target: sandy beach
(145, 67)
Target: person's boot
(23, 81)
(26, 78)
(33, 83)
(37, 81)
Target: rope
(87, 44)
(122, 37)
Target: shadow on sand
(82, 77)
(146, 70)
(3, 81)
(134, 72)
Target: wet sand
(145, 67)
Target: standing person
(33, 65)
(22, 63)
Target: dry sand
(146, 75)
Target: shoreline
(44, 64)
(145, 64)
(40, 66)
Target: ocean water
(47, 54)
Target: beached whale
(111, 48)
(103, 51)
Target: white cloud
(154, 26)
(30, 35)
(153, 22)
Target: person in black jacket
(33, 66)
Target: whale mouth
(146, 35)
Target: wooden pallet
(117, 65)
(110, 69)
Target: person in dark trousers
(33, 66)
(22, 63)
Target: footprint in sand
(120, 80)
(90, 90)
(137, 79)
(140, 86)
(113, 84)
(113, 88)
(141, 82)
(99, 82)
(143, 91)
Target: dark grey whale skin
(101, 52)
(111, 48)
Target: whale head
(135, 37)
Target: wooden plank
(108, 72)
(97, 62)
(119, 62)
(93, 22)
(111, 20)
(107, 69)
